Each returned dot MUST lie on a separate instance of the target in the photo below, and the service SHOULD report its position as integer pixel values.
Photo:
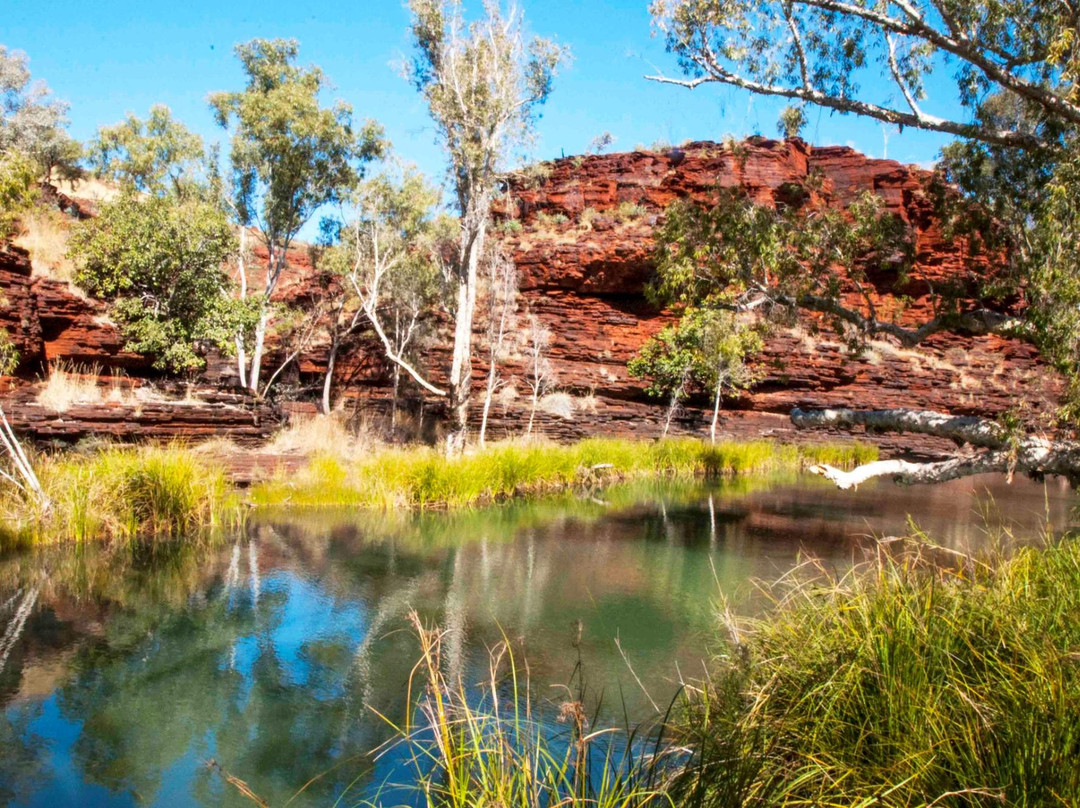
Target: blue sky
(110, 57)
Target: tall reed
(490, 746)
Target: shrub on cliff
(159, 262)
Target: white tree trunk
(328, 381)
(241, 271)
(241, 361)
(1001, 451)
(532, 410)
(673, 405)
(394, 398)
(460, 382)
(715, 414)
(257, 352)
(489, 393)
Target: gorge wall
(580, 233)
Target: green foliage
(630, 211)
(9, 354)
(32, 122)
(668, 360)
(550, 221)
(735, 253)
(814, 51)
(386, 255)
(927, 678)
(708, 348)
(159, 262)
(154, 156)
(510, 227)
(18, 190)
(483, 85)
(792, 120)
(290, 155)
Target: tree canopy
(154, 156)
(32, 121)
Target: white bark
(328, 380)
(715, 413)
(539, 366)
(24, 478)
(1001, 452)
(933, 28)
(241, 272)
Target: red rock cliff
(583, 261)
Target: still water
(123, 672)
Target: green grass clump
(905, 683)
(124, 492)
(421, 477)
(491, 745)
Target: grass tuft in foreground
(124, 492)
(485, 745)
(904, 683)
(421, 477)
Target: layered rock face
(581, 236)
(584, 253)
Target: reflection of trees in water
(23, 758)
(265, 653)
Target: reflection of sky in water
(270, 655)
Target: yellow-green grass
(421, 477)
(123, 493)
(126, 492)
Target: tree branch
(1032, 455)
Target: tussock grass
(45, 236)
(320, 435)
(421, 477)
(491, 746)
(70, 384)
(125, 492)
(907, 682)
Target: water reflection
(123, 672)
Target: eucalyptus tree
(483, 82)
(290, 156)
(153, 156)
(1013, 104)
(384, 271)
(33, 122)
(822, 52)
